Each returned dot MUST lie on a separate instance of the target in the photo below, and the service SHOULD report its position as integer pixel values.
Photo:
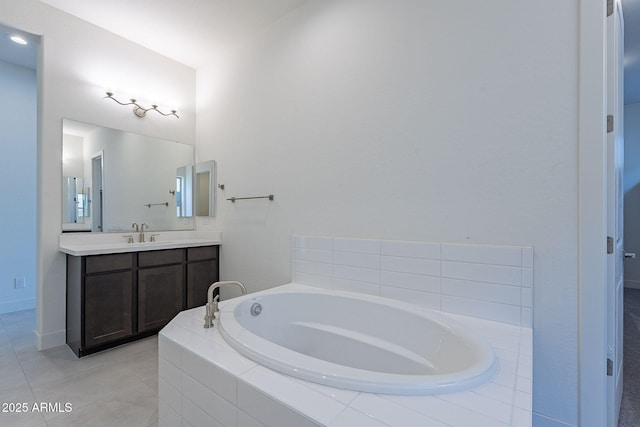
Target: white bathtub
(356, 342)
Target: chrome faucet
(134, 227)
(212, 302)
(142, 226)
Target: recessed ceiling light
(18, 40)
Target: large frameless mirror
(112, 178)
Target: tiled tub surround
(485, 281)
(205, 382)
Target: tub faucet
(212, 302)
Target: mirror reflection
(205, 188)
(113, 178)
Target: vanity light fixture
(17, 39)
(140, 111)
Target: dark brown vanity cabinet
(116, 298)
(160, 287)
(202, 271)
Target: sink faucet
(142, 226)
(134, 227)
(212, 303)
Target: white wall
(632, 193)
(18, 100)
(77, 63)
(437, 121)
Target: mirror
(123, 177)
(74, 200)
(206, 188)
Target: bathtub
(356, 342)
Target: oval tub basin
(356, 342)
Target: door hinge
(610, 5)
(609, 244)
(609, 367)
(609, 123)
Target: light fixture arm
(139, 110)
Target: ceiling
(188, 31)
(25, 56)
(193, 31)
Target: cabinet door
(200, 275)
(159, 296)
(108, 307)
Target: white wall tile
(170, 396)
(527, 257)
(270, 412)
(289, 392)
(364, 246)
(169, 373)
(522, 418)
(503, 294)
(492, 408)
(167, 415)
(171, 351)
(353, 418)
(527, 317)
(210, 375)
(354, 286)
(325, 282)
(418, 282)
(211, 403)
(483, 254)
(359, 274)
(522, 400)
(411, 265)
(311, 242)
(310, 267)
(355, 259)
(527, 297)
(409, 249)
(196, 417)
(484, 310)
(391, 413)
(527, 277)
(316, 255)
(424, 299)
(449, 413)
(245, 420)
(502, 275)
(482, 272)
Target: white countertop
(81, 244)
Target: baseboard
(10, 307)
(54, 339)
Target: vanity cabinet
(117, 298)
(202, 271)
(160, 287)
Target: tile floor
(117, 387)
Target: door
(615, 257)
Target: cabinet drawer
(169, 256)
(111, 262)
(203, 252)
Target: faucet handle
(153, 237)
(129, 238)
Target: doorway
(97, 193)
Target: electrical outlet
(19, 282)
